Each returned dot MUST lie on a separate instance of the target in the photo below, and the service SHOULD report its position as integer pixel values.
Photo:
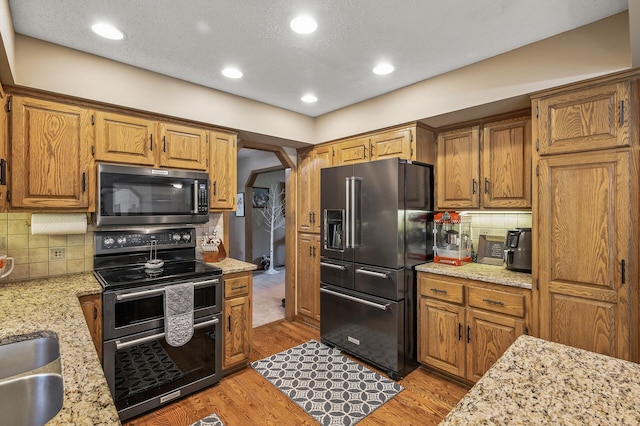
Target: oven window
(129, 195)
(153, 368)
(131, 312)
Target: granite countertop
(480, 272)
(230, 266)
(51, 305)
(544, 383)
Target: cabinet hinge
(537, 284)
(207, 137)
(8, 105)
(538, 170)
(410, 136)
(537, 111)
(526, 331)
(93, 120)
(333, 152)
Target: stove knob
(108, 242)
(176, 237)
(122, 240)
(186, 237)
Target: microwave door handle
(195, 197)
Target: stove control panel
(110, 241)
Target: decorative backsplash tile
(39, 256)
(496, 223)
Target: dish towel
(178, 313)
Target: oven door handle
(355, 299)
(156, 291)
(135, 342)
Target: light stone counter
(480, 272)
(537, 382)
(230, 266)
(51, 305)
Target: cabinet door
(458, 169)
(50, 159)
(584, 240)
(223, 171)
(585, 120)
(4, 146)
(352, 151)
(237, 326)
(322, 158)
(506, 164)
(488, 336)
(396, 144)
(92, 309)
(305, 191)
(442, 343)
(183, 147)
(308, 275)
(125, 139)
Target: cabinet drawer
(236, 286)
(497, 301)
(442, 290)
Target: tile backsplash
(39, 256)
(496, 223)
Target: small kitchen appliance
(452, 238)
(517, 253)
(135, 269)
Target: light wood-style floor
(246, 398)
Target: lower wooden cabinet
(237, 319)
(92, 309)
(465, 326)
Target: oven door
(144, 372)
(134, 310)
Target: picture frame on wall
(260, 198)
(240, 204)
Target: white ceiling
(193, 40)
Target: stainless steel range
(143, 371)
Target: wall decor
(240, 204)
(260, 198)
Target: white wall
(261, 230)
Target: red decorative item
(452, 238)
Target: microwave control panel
(203, 198)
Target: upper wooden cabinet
(412, 142)
(309, 165)
(183, 147)
(125, 139)
(50, 155)
(485, 166)
(223, 170)
(584, 120)
(133, 140)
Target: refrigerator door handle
(355, 299)
(372, 273)
(347, 225)
(331, 265)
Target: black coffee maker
(517, 253)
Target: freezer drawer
(368, 327)
(335, 272)
(381, 282)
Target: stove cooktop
(137, 275)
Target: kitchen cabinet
(183, 147)
(466, 325)
(309, 165)
(125, 139)
(308, 278)
(586, 193)
(92, 309)
(4, 146)
(237, 319)
(485, 166)
(223, 170)
(51, 165)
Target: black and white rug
(333, 389)
(210, 420)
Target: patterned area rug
(210, 420)
(330, 387)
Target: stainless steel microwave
(133, 195)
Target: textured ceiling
(193, 40)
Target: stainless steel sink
(31, 385)
(28, 355)
(31, 400)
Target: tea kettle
(517, 253)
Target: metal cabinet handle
(493, 302)
(238, 287)
(468, 334)
(372, 273)
(621, 113)
(474, 186)
(355, 299)
(135, 342)
(164, 144)
(486, 185)
(437, 290)
(331, 265)
(151, 142)
(459, 331)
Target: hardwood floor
(246, 398)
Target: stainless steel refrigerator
(377, 222)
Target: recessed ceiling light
(303, 25)
(309, 98)
(383, 68)
(232, 72)
(107, 31)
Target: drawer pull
(238, 287)
(331, 265)
(437, 290)
(493, 302)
